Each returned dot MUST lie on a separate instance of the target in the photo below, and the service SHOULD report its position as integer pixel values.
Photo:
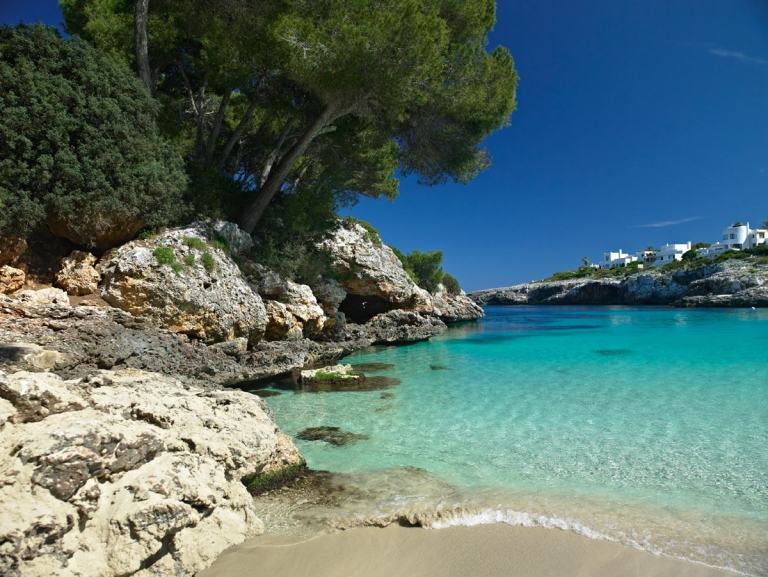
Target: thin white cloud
(736, 55)
(665, 223)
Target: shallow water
(647, 426)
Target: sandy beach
(483, 551)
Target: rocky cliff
(122, 451)
(735, 283)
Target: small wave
(445, 519)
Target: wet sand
(482, 551)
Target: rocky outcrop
(734, 283)
(455, 308)
(397, 327)
(371, 275)
(78, 275)
(127, 472)
(185, 284)
(292, 309)
(11, 279)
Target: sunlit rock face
(184, 282)
(127, 472)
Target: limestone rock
(455, 308)
(371, 274)
(11, 279)
(78, 275)
(330, 373)
(292, 309)
(397, 327)
(132, 473)
(11, 249)
(43, 297)
(184, 284)
(736, 283)
(238, 241)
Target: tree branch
(141, 42)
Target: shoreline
(481, 551)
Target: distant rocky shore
(123, 450)
(735, 283)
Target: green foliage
(424, 267)
(195, 242)
(209, 263)
(285, 241)
(337, 94)
(699, 245)
(79, 140)
(759, 250)
(451, 285)
(164, 255)
(732, 255)
(690, 255)
(189, 259)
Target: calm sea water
(647, 426)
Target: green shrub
(195, 242)
(423, 267)
(79, 142)
(164, 255)
(189, 259)
(208, 262)
(451, 285)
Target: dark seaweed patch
(372, 367)
(438, 367)
(331, 435)
(264, 393)
(612, 352)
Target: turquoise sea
(647, 426)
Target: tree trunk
(214, 136)
(237, 134)
(141, 42)
(255, 210)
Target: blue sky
(638, 122)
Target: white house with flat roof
(738, 236)
(671, 252)
(613, 259)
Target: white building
(671, 252)
(713, 250)
(620, 258)
(738, 236)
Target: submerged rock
(185, 284)
(127, 472)
(331, 435)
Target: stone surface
(118, 232)
(397, 327)
(11, 279)
(455, 308)
(78, 275)
(127, 473)
(292, 309)
(370, 273)
(11, 249)
(44, 297)
(738, 283)
(238, 241)
(211, 302)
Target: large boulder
(128, 473)
(184, 283)
(397, 327)
(455, 308)
(371, 274)
(78, 275)
(292, 309)
(11, 279)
